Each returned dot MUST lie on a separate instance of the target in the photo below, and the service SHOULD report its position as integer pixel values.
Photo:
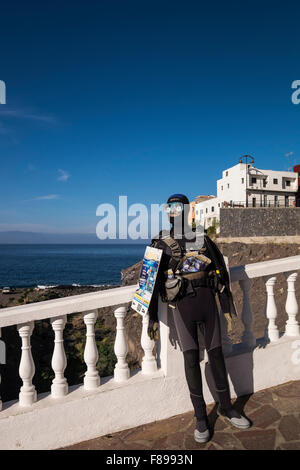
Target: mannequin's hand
(229, 322)
(153, 332)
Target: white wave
(45, 287)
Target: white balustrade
(248, 338)
(59, 386)
(149, 365)
(91, 379)
(27, 395)
(271, 330)
(291, 306)
(57, 309)
(121, 370)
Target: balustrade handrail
(65, 305)
(265, 268)
(120, 295)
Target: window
(206, 210)
(275, 181)
(286, 201)
(212, 209)
(264, 182)
(219, 205)
(253, 180)
(227, 185)
(254, 202)
(226, 173)
(288, 183)
(242, 180)
(265, 200)
(222, 188)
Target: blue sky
(139, 98)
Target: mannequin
(195, 305)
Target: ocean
(53, 265)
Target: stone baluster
(248, 338)
(91, 379)
(149, 365)
(271, 330)
(27, 395)
(121, 371)
(291, 306)
(59, 386)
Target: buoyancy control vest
(216, 270)
(185, 270)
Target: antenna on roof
(288, 155)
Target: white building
(207, 211)
(243, 185)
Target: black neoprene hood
(179, 198)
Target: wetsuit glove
(153, 332)
(229, 322)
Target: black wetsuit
(189, 312)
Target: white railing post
(248, 338)
(27, 395)
(91, 379)
(121, 370)
(291, 306)
(149, 365)
(271, 330)
(59, 386)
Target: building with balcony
(244, 185)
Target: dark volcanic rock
(129, 276)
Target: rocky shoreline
(24, 295)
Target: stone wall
(261, 221)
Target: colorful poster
(150, 265)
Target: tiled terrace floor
(274, 413)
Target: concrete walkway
(274, 413)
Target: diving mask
(173, 207)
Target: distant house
(243, 185)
